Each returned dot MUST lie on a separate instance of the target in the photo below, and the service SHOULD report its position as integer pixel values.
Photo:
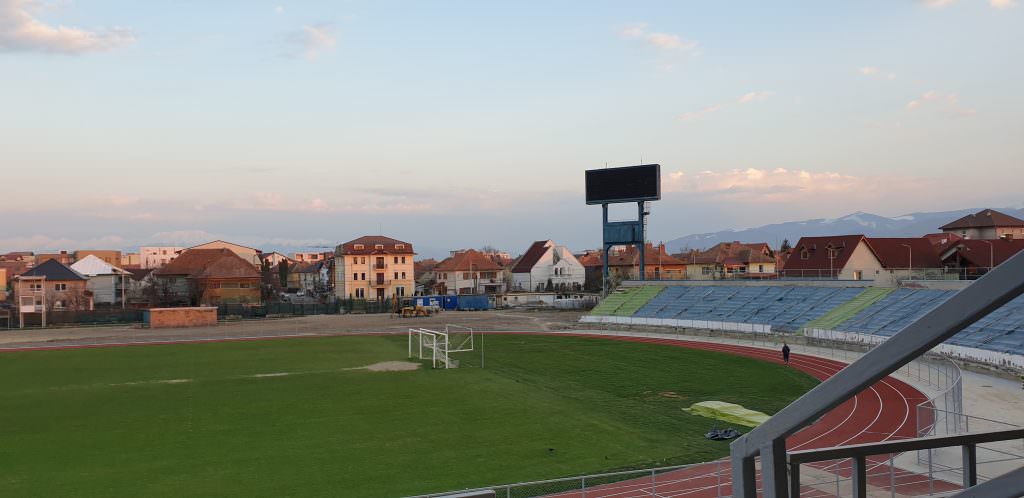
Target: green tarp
(728, 412)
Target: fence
(868, 274)
(79, 318)
(673, 322)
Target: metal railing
(847, 274)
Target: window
(362, 260)
(396, 260)
(400, 291)
(400, 246)
(355, 276)
(403, 260)
(360, 293)
(60, 287)
(358, 247)
(378, 246)
(760, 268)
(705, 270)
(363, 275)
(396, 275)
(465, 275)
(59, 305)
(488, 274)
(403, 275)
(804, 254)
(36, 287)
(229, 285)
(243, 286)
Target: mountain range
(872, 225)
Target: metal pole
(604, 251)
(643, 240)
(892, 477)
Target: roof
(733, 253)
(905, 252)
(468, 260)
(92, 266)
(986, 253)
(818, 254)
(139, 274)
(630, 257)
(222, 242)
(986, 218)
(532, 255)
(53, 270)
(208, 263)
(307, 267)
(370, 242)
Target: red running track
(885, 411)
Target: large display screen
(631, 183)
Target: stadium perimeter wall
(165, 318)
(909, 284)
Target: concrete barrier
(164, 318)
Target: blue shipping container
(471, 302)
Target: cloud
(876, 72)
(771, 185)
(279, 9)
(947, 103)
(665, 42)
(309, 42)
(741, 100)
(936, 4)
(20, 31)
(1003, 4)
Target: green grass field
(206, 420)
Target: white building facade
(151, 258)
(545, 261)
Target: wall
(247, 253)
(155, 257)
(231, 291)
(160, 318)
(3, 284)
(864, 260)
(347, 265)
(105, 289)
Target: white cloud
(666, 42)
(876, 72)
(937, 4)
(753, 185)
(311, 41)
(279, 9)
(947, 103)
(1003, 4)
(741, 100)
(20, 31)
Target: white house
(545, 261)
(107, 282)
(155, 257)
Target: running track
(885, 411)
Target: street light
(910, 261)
(991, 254)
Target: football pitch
(302, 417)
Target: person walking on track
(785, 353)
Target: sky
(294, 125)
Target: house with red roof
(545, 263)
(987, 224)
(624, 264)
(975, 257)
(374, 267)
(207, 277)
(731, 260)
(468, 272)
(843, 257)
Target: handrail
(992, 291)
(901, 446)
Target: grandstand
(793, 308)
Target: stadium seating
(790, 308)
(785, 308)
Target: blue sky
(455, 124)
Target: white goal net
(437, 345)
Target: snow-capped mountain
(872, 225)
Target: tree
(282, 273)
(550, 287)
(785, 247)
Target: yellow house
(249, 254)
(374, 267)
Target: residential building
(311, 257)
(975, 257)
(986, 224)
(624, 264)
(374, 267)
(62, 257)
(846, 257)
(131, 260)
(546, 264)
(207, 277)
(53, 286)
(310, 278)
(468, 272)
(152, 257)
(140, 282)
(110, 257)
(904, 258)
(23, 256)
(3, 284)
(731, 260)
(275, 258)
(251, 255)
(107, 282)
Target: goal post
(437, 345)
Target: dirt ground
(498, 320)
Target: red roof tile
(986, 253)
(369, 245)
(905, 252)
(468, 260)
(987, 218)
(531, 256)
(816, 250)
(208, 263)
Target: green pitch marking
(849, 309)
(302, 417)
